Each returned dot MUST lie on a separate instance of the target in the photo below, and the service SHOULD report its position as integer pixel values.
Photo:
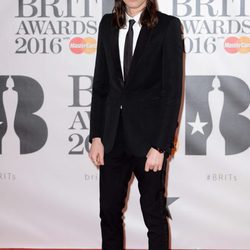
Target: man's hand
(154, 160)
(96, 153)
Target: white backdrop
(48, 186)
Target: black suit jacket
(151, 96)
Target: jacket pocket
(152, 102)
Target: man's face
(135, 4)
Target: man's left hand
(154, 160)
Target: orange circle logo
(80, 45)
(245, 44)
(89, 45)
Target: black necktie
(128, 49)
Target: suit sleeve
(99, 87)
(171, 92)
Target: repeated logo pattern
(29, 127)
(217, 105)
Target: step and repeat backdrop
(48, 185)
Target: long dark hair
(147, 18)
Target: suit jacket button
(121, 107)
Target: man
(136, 97)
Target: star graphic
(197, 125)
(171, 200)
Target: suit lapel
(116, 54)
(143, 38)
(140, 46)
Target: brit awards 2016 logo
(81, 102)
(210, 25)
(46, 27)
(21, 131)
(217, 115)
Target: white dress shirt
(123, 33)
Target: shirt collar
(136, 18)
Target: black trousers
(119, 164)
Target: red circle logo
(232, 45)
(76, 45)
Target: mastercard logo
(79, 45)
(235, 45)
